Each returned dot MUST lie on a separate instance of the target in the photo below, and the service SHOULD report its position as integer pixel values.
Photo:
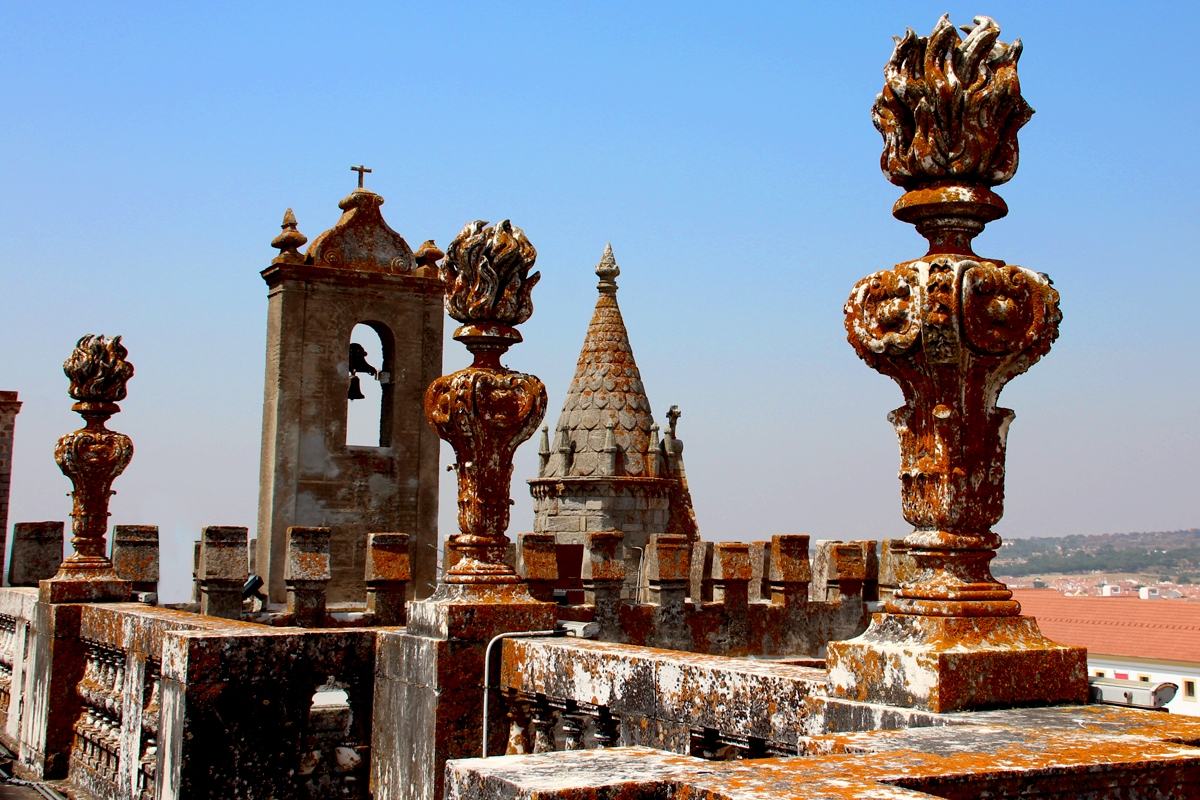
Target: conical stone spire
(607, 390)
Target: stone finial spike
(566, 451)
(654, 453)
(610, 439)
(608, 459)
(544, 451)
(608, 270)
(289, 241)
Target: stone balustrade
(570, 694)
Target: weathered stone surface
(222, 691)
(537, 564)
(360, 271)
(37, 552)
(362, 240)
(952, 329)
(1016, 757)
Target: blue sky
(148, 152)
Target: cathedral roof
(606, 391)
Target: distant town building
(1126, 638)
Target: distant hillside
(1170, 554)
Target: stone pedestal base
(98, 589)
(477, 612)
(431, 676)
(942, 664)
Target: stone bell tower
(360, 271)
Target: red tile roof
(1117, 626)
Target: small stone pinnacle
(607, 269)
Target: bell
(355, 392)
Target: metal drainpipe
(487, 671)
(637, 590)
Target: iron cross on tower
(360, 169)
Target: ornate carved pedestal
(485, 412)
(434, 669)
(92, 458)
(952, 329)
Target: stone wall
(9, 408)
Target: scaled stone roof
(607, 388)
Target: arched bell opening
(369, 385)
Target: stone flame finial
(952, 329)
(486, 410)
(486, 272)
(98, 370)
(951, 107)
(92, 458)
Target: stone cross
(360, 169)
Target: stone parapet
(786, 623)
(537, 563)
(388, 573)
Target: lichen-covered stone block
(135, 555)
(223, 570)
(37, 552)
(388, 571)
(790, 571)
(667, 559)
(307, 574)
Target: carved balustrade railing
(571, 694)
(130, 702)
(8, 640)
(96, 753)
(99, 760)
(148, 762)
